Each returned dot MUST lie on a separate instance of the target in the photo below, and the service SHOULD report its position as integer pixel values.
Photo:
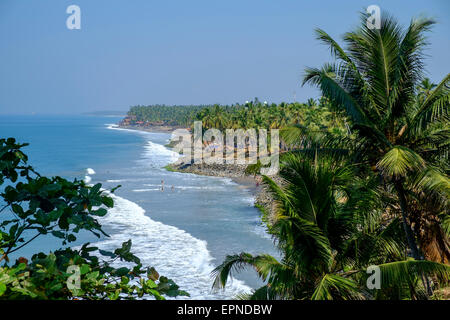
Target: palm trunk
(410, 235)
(406, 226)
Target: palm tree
(328, 230)
(426, 86)
(405, 140)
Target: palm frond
(333, 286)
(261, 263)
(325, 79)
(263, 293)
(409, 65)
(399, 160)
(304, 242)
(432, 180)
(296, 136)
(396, 272)
(445, 223)
(435, 106)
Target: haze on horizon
(178, 52)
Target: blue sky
(178, 52)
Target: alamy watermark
(374, 280)
(74, 280)
(374, 19)
(74, 20)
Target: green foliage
(254, 114)
(330, 228)
(62, 208)
(348, 200)
(165, 115)
(399, 122)
(399, 160)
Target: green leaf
(106, 253)
(2, 288)
(100, 212)
(17, 209)
(85, 268)
(59, 234)
(107, 201)
(96, 188)
(121, 271)
(399, 160)
(150, 283)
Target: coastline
(263, 200)
(158, 129)
(200, 245)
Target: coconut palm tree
(426, 86)
(329, 229)
(405, 140)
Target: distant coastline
(152, 128)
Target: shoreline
(263, 200)
(154, 129)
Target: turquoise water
(184, 231)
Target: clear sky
(178, 52)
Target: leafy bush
(61, 208)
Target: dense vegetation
(40, 206)
(314, 115)
(169, 115)
(376, 197)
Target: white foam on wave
(147, 190)
(87, 179)
(173, 252)
(156, 155)
(90, 171)
(128, 180)
(261, 230)
(211, 188)
(112, 126)
(250, 200)
(182, 187)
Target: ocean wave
(90, 171)
(173, 252)
(157, 156)
(146, 190)
(249, 200)
(116, 127)
(211, 188)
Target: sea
(184, 231)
